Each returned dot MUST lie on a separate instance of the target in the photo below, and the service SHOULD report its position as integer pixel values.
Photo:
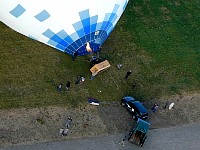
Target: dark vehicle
(134, 107)
(138, 134)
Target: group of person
(60, 86)
(155, 106)
(64, 131)
(80, 80)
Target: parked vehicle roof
(141, 108)
(129, 98)
(142, 125)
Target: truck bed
(136, 137)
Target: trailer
(138, 134)
(98, 65)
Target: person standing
(69, 122)
(134, 85)
(67, 85)
(123, 141)
(92, 77)
(119, 66)
(128, 74)
(78, 80)
(65, 132)
(154, 108)
(74, 55)
(82, 80)
(59, 87)
(61, 131)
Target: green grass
(169, 32)
(158, 40)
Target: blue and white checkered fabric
(63, 24)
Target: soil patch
(28, 126)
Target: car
(134, 107)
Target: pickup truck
(138, 134)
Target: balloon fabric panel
(92, 24)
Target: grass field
(158, 40)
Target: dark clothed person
(154, 108)
(67, 85)
(128, 74)
(74, 55)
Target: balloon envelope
(67, 25)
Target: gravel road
(180, 138)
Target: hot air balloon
(71, 26)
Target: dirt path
(27, 126)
